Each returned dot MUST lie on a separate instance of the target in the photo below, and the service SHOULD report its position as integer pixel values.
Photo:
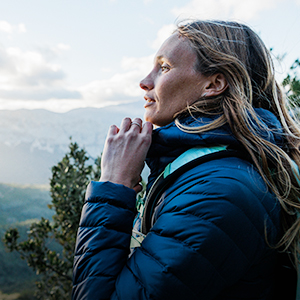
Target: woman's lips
(149, 102)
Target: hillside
(21, 203)
(19, 206)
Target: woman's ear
(216, 85)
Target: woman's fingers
(125, 125)
(113, 129)
(138, 188)
(147, 128)
(137, 124)
(125, 151)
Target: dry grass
(13, 296)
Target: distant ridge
(32, 141)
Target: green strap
(188, 156)
(181, 160)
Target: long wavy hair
(238, 53)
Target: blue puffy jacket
(213, 234)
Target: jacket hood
(168, 142)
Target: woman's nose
(147, 83)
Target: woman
(219, 230)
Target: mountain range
(32, 141)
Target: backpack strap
(186, 161)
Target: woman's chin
(149, 118)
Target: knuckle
(146, 136)
(120, 136)
(110, 139)
(146, 139)
(131, 134)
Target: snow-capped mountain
(32, 141)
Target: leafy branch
(50, 244)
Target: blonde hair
(238, 53)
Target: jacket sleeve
(208, 234)
(103, 239)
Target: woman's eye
(165, 68)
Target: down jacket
(212, 237)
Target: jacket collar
(168, 142)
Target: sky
(61, 54)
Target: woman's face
(173, 82)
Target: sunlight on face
(173, 82)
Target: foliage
(15, 276)
(292, 83)
(50, 244)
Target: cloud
(34, 77)
(5, 27)
(51, 53)
(22, 28)
(31, 68)
(142, 64)
(224, 9)
(162, 35)
(60, 48)
(29, 75)
(123, 86)
(8, 28)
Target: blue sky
(63, 54)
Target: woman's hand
(124, 153)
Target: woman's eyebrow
(158, 58)
(162, 57)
